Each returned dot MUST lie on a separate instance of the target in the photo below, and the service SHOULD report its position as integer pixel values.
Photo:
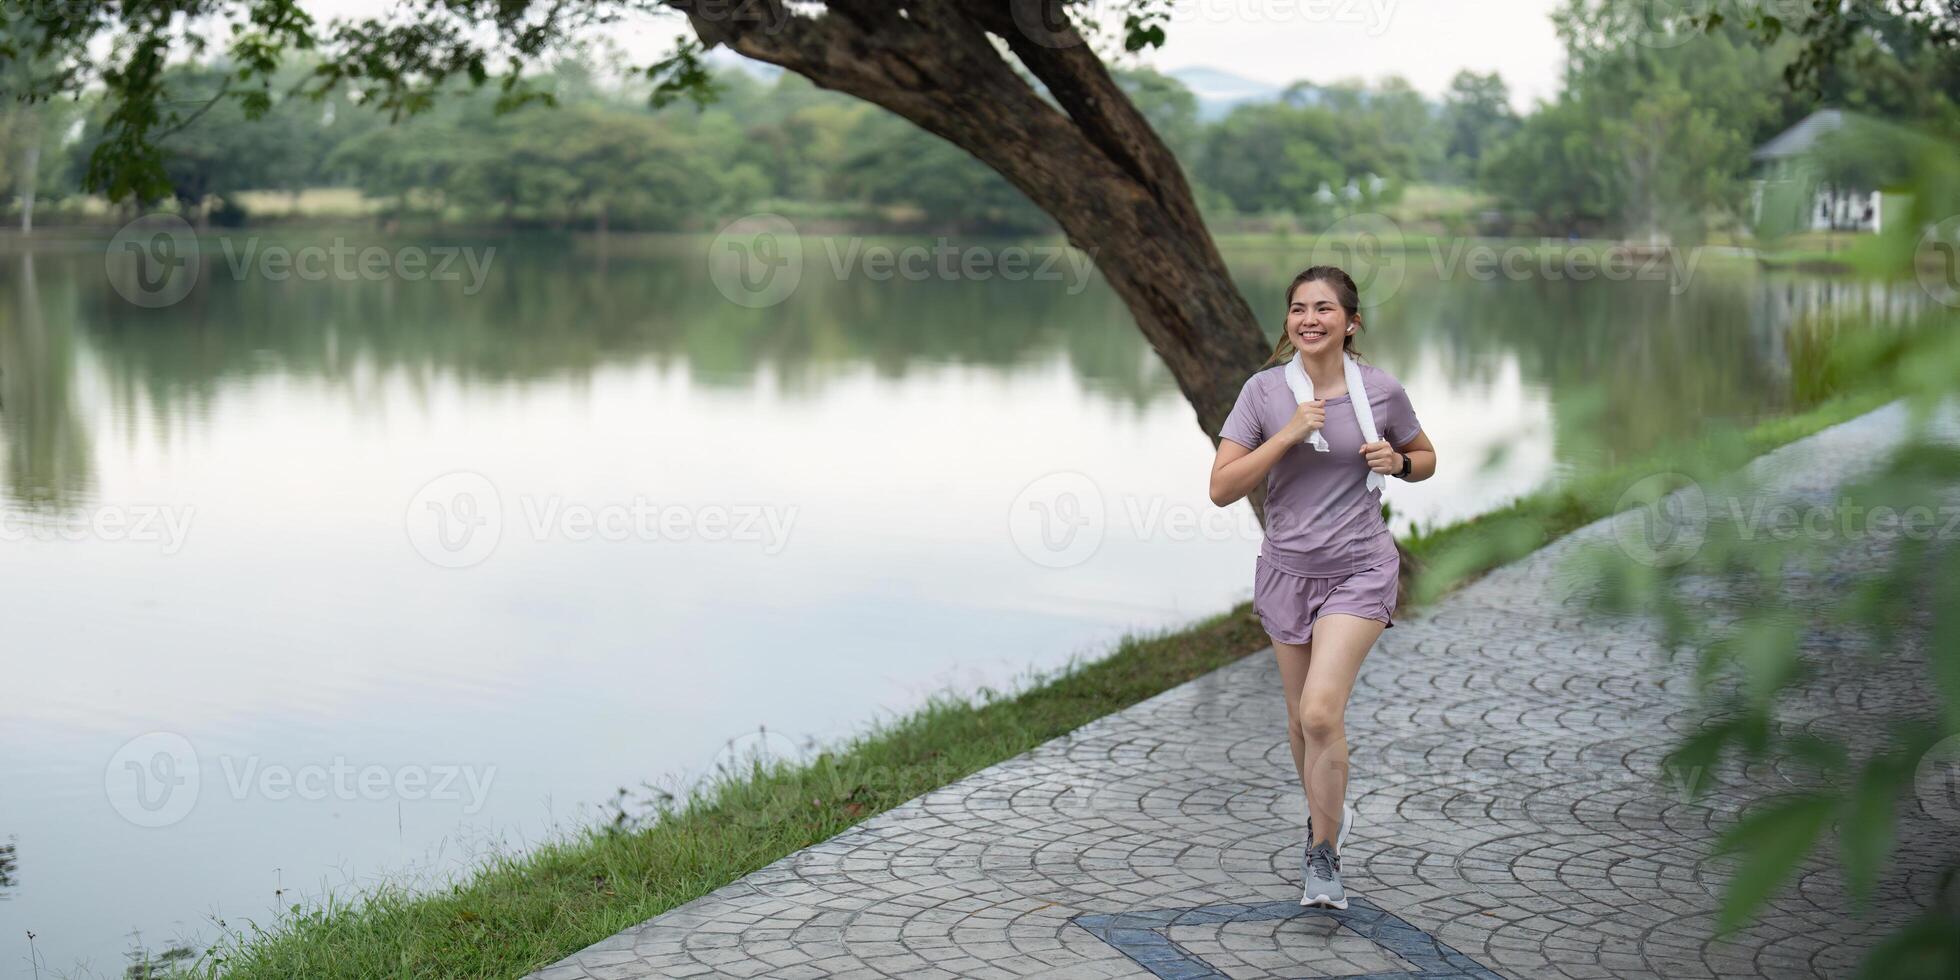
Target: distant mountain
(1219, 92)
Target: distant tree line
(1649, 135)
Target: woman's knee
(1320, 718)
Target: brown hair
(1344, 293)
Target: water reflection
(47, 446)
(1622, 366)
(900, 419)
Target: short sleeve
(1402, 424)
(1242, 426)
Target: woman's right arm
(1237, 470)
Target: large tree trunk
(1094, 164)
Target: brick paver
(1505, 750)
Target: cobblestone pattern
(1505, 755)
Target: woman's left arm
(1422, 457)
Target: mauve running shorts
(1288, 604)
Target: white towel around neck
(1296, 379)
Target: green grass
(522, 911)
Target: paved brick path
(1511, 823)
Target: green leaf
(1943, 646)
(1689, 765)
(1771, 842)
(1927, 949)
(1865, 829)
(1821, 752)
(1767, 651)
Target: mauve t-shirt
(1321, 519)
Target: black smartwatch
(1408, 466)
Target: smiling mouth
(1312, 334)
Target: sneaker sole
(1323, 901)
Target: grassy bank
(520, 912)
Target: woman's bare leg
(1339, 643)
(1293, 660)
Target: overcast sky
(1424, 41)
(1282, 41)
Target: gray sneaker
(1320, 872)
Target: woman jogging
(1325, 582)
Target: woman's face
(1315, 321)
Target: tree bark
(1090, 159)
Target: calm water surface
(238, 671)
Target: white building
(1791, 156)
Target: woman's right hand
(1307, 420)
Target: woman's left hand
(1382, 457)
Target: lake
(314, 578)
